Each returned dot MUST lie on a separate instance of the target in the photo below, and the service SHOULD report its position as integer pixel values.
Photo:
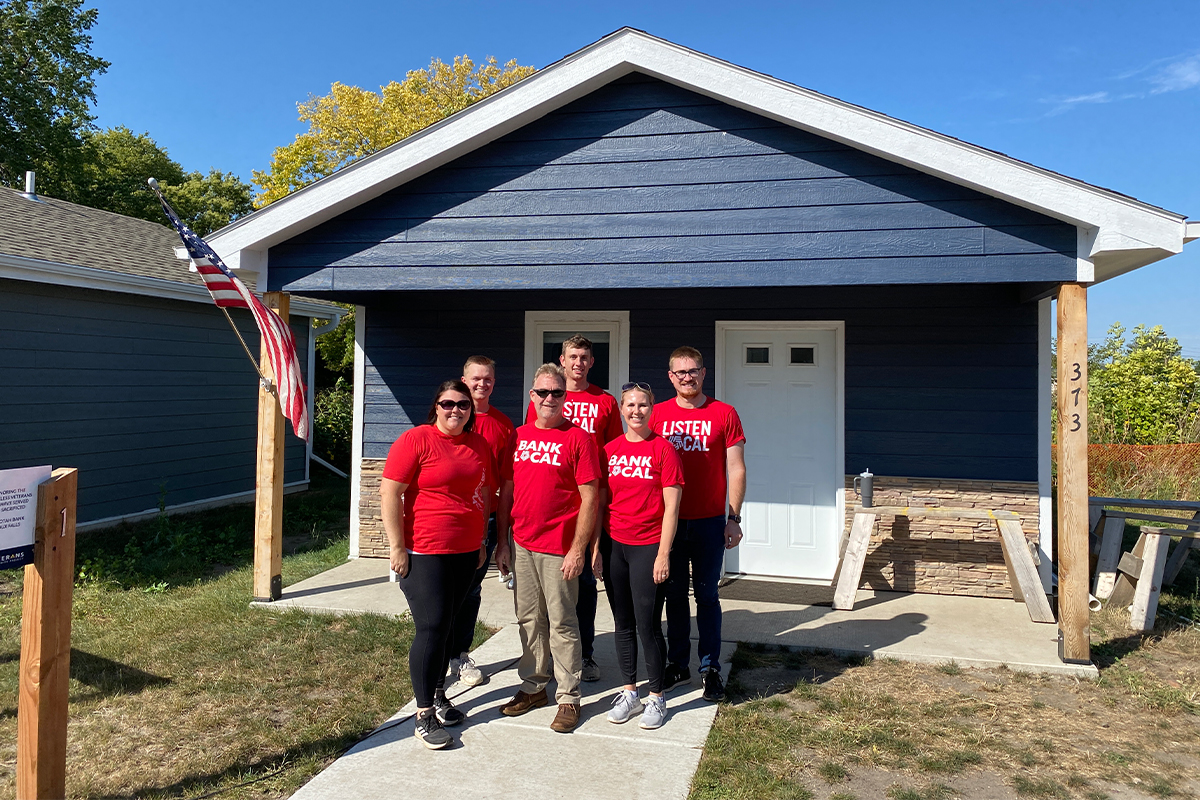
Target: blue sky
(1107, 92)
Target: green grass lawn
(179, 688)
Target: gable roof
(1117, 233)
(53, 241)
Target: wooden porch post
(268, 486)
(1073, 614)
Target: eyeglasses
(450, 405)
(680, 374)
(645, 387)
(555, 393)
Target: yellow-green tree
(350, 123)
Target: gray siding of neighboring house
(141, 394)
(642, 183)
(941, 381)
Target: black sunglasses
(556, 393)
(645, 387)
(450, 405)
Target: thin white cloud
(1177, 76)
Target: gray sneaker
(468, 673)
(655, 714)
(626, 706)
(591, 670)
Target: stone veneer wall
(372, 540)
(932, 556)
(942, 556)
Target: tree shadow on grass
(250, 771)
(103, 676)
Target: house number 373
(1075, 377)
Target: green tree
(47, 83)
(336, 347)
(350, 123)
(1142, 390)
(113, 172)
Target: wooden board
(1110, 554)
(915, 512)
(1071, 410)
(1125, 502)
(46, 642)
(1177, 558)
(1123, 589)
(1145, 597)
(852, 562)
(1023, 574)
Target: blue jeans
(700, 545)
(464, 621)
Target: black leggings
(435, 587)
(637, 604)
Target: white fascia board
(1075, 202)
(34, 270)
(1191, 232)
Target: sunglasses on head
(450, 405)
(645, 387)
(555, 393)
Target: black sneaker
(430, 731)
(674, 675)
(714, 690)
(445, 711)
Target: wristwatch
(734, 518)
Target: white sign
(18, 507)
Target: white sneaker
(468, 673)
(626, 706)
(655, 713)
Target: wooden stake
(852, 562)
(1145, 597)
(1073, 614)
(46, 643)
(1110, 554)
(268, 487)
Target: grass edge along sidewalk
(180, 689)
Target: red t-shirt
(700, 436)
(497, 428)
(449, 479)
(637, 473)
(547, 468)
(594, 410)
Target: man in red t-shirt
(479, 374)
(708, 436)
(596, 411)
(551, 495)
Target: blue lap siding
(941, 382)
(141, 394)
(645, 184)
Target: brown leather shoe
(567, 718)
(523, 703)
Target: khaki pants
(548, 625)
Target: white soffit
(1126, 233)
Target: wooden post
(268, 486)
(1073, 614)
(46, 643)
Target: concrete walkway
(500, 757)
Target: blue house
(114, 360)
(868, 293)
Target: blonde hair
(643, 388)
(686, 352)
(553, 370)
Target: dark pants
(464, 623)
(637, 603)
(589, 596)
(700, 545)
(435, 588)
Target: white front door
(785, 381)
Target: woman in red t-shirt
(435, 494)
(645, 482)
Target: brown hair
(479, 361)
(644, 388)
(578, 342)
(451, 386)
(686, 352)
(553, 370)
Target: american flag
(229, 292)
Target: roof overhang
(36, 270)
(1121, 233)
